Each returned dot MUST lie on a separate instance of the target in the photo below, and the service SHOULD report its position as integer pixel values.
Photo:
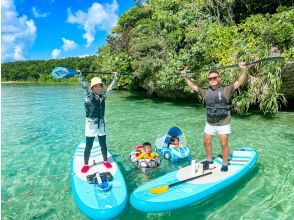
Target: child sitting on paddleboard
(95, 109)
(174, 142)
(147, 152)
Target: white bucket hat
(96, 80)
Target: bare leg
(208, 145)
(224, 138)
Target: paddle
(236, 65)
(63, 72)
(164, 188)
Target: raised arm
(188, 81)
(242, 77)
(84, 85)
(114, 81)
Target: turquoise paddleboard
(186, 193)
(91, 200)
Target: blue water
(42, 124)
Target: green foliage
(275, 30)
(272, 101)
(245, 8)
(265, 86)
(147, 49)
(241, 103)
(39, 70)
(222, 11)
(108, 62)
(130, 18)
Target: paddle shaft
(236, 65)
(106, 73)
(192, 178)
(216, 68)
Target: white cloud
(38, 14)
(68, 44)
(18, 53)
(85, 55)
(18, 33)
(98, 17)
(55, 53)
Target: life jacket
(105, 177)
(96, 107)
(148, 155)
(217, 106)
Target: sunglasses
(212, 78)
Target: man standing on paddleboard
(95, 124)
(217, 98)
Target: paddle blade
(159, 190)
(62, 72)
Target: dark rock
(287, 87)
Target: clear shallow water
(42, 124)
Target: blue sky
(46, 29)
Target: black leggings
(89, 145)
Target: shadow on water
(140, 96)
(195, 102)
(226, 195)
(253, 111)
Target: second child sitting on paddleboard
(174, 142)
(95, 109)
(147, 152)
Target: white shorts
(212, 129)
(92, 129)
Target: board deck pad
(93, 202)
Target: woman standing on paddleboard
(95, 109)
(217, 98)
